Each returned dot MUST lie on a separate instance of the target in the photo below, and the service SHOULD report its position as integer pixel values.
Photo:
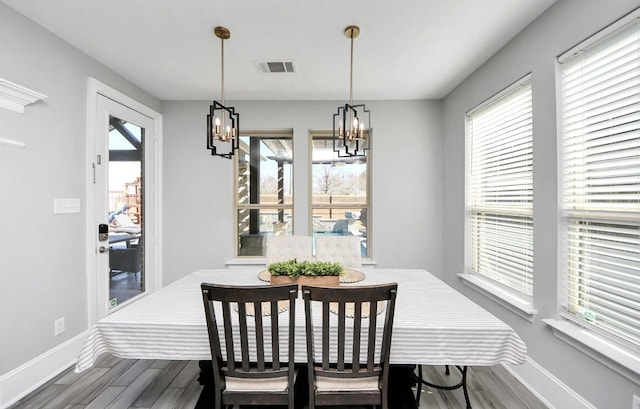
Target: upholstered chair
(282, 248)
(339, 249)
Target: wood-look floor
(125, 383)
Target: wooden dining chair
(345, 250)
(252, 343)
(283, 248)
(348, 344)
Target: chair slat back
(252, 348)
(344, 328)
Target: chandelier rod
(351, 32)
(222, 70)
(223, 34)
(351, 71)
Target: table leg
(462, 384)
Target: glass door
(120, 202)
(126, 211)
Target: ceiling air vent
(275, 66)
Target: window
(500, 189)
(600, 103)
(264, 200)
(340, 195)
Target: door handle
(103, 249)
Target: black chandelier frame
(215, 143)
(349, 146)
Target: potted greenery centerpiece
(305, 272)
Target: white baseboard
(549, 389)
(26, 378)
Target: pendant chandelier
(352, 123)
(223, 123)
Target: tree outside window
(340, 200)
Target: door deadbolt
(103, 232)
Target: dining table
(434, 324)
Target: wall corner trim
(15, 97)
(21, 381)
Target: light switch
(61, 206)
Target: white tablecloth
(433, 325)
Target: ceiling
(407, 49)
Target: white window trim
(368, 259)
(612, 355)
(262, 261)
(518, 305)
(239, 260)
(522, 306)
(613, 27)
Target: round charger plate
(350, 309)
(283, 305)
(349, 276)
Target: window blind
(500, 194)
(600, 92)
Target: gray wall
(406, 180)
(533, 50)
(419, 155)
(42, 261)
